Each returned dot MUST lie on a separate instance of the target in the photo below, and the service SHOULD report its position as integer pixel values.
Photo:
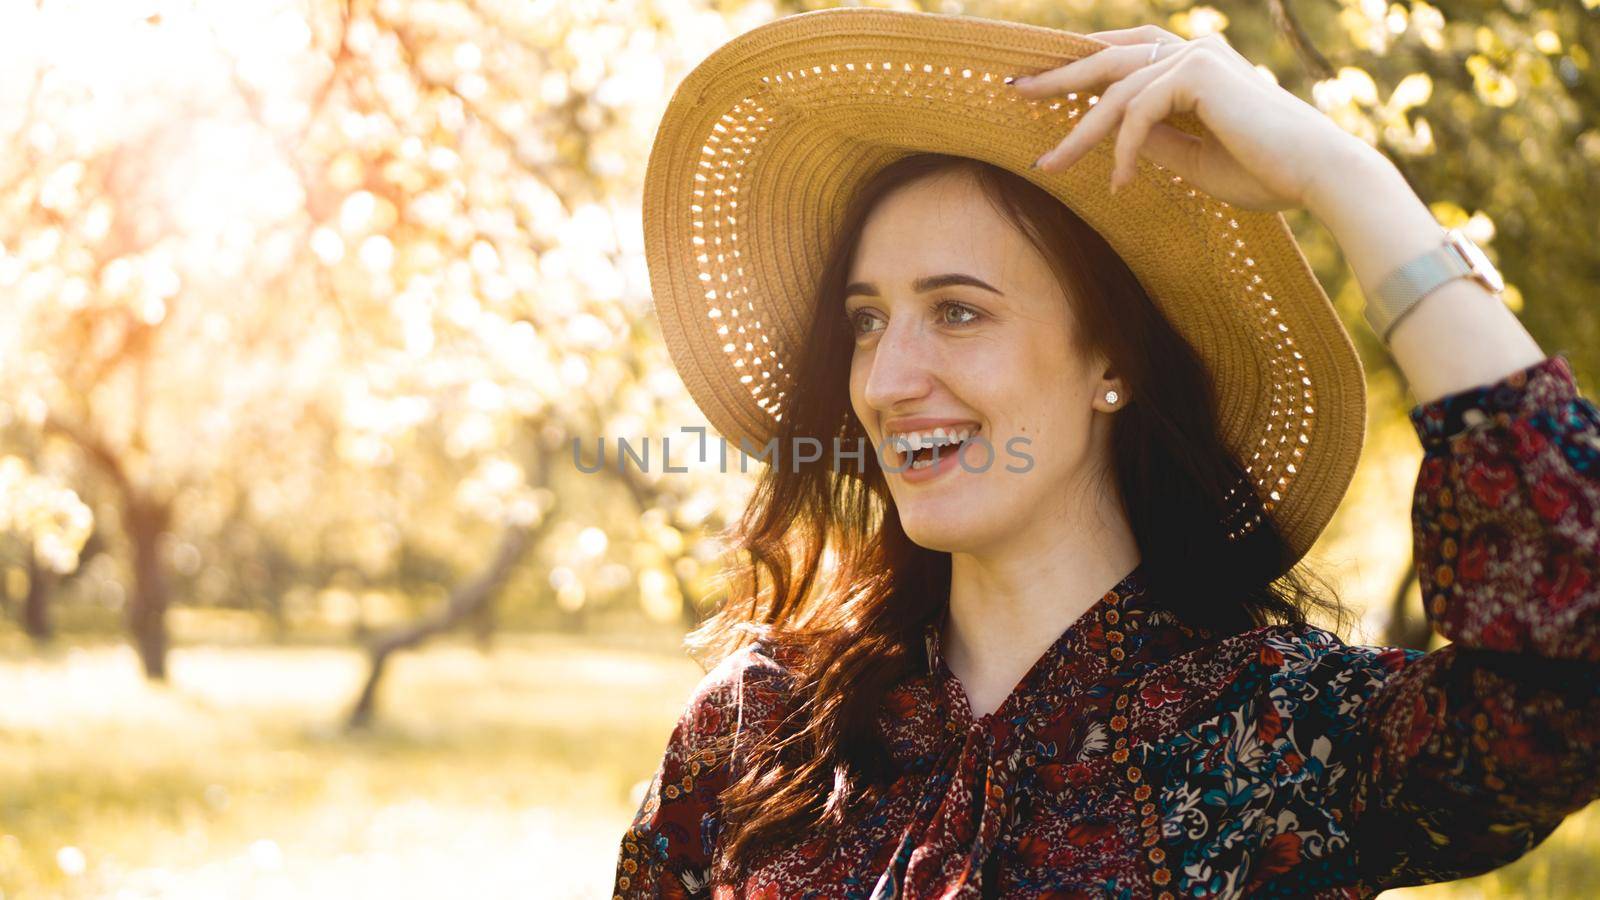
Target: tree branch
(98, 452)
(1286, 23)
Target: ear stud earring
(1111, 397)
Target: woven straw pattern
(765, 141)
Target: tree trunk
(145, 520)
(463, 601)
(484, 621)
(1402, 630)
(36, 605)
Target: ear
(1112, 394)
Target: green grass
(507, 774)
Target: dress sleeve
(667, 851)
(1479, 749)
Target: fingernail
(1010, 78)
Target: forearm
(1460, 335)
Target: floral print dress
(1139, 759)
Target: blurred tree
(45, 528)
(285, 292)
(467, 600)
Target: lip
(921, 423)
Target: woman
(1084, 669)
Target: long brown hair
(825, 575)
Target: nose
(900, 367)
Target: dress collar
(1096, 644)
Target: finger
(1138, 34)
(1141, 120)
(1101, 67)
(1097, 68)
(1167, 146)
(1101, 118)
(1095, 124)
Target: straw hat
(765, 141)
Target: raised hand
(1265, 150)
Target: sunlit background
(301, 305)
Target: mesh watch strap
(1407, 285)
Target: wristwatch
(1405, 286)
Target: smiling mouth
(925, 444)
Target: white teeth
(912, 441)
(921, 440)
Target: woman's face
(986, 351)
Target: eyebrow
(925, 284)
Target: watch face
(1485, 270)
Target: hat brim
(765, 141)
